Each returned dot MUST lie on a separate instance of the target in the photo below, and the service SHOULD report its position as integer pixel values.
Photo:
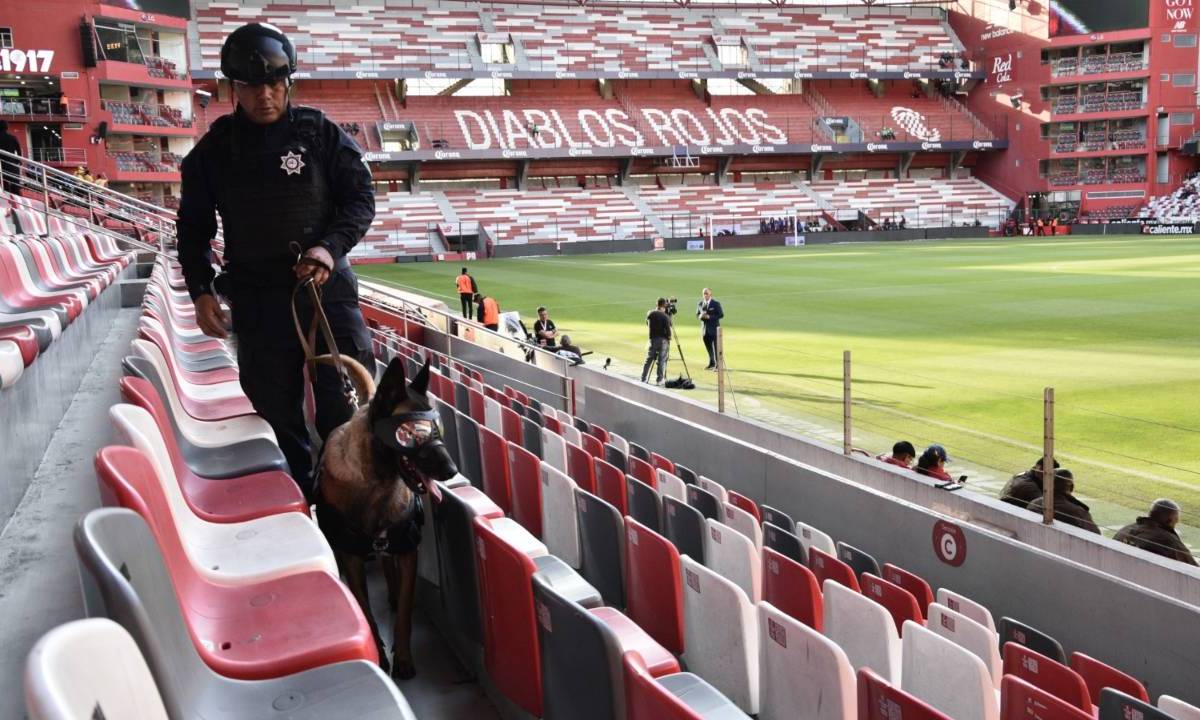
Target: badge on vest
(291, 164)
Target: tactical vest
(269, 198)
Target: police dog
(373, 471)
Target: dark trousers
(710, 345)
(659, 351)
(465, 299)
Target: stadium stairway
(647, 212)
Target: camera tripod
(679, 347)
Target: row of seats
(225, 595)
(1182, 205)
(773, 613)
(595, 38)
(50, 271)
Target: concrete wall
(1153, 636)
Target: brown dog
(372, 472)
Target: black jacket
(1068, 509)
(1023, 489)
(1152, 536)
(207, 170)
(660, 325)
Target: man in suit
(710, 313)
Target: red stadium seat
(653, 603)
(579, 467)
(593, 445)
(745, 503)
(662, 463)
(1099, 675)
(792, 588)
(552, 424)
(643, 471)
(477, 412)
(899, 602)
(879, 700)
(493, 456)
(911, 582)
(827, 567)
(524, 475)
(512, 424)
(600, 433)
(610, 486)
(1019, 700)
(1047, 674)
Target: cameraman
(660, 341)
(710, 313)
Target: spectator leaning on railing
(1155, 532)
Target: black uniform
(300, 179)
(1153, 536)
(9, 169)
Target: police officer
(280, 176)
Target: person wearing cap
(1026, 487)
(1067, 508)
(932, 463)
(902, 455)
(294, 197)
(1155, 532)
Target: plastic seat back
(618, 442)
(1177, 708)
(900, 603)
(462, 398)
(670, 485)
(449, 425)
(860, 562)
(524, 474)
(1020, 700)
(643, 471)
(1015, 631)
(493, 415)
(579, 467)
(811, 538)
(717, 489)
(783, 542)
(613, 456)
(469, 466)
(792, 588)
(778, 518)
(948, 677)
(863, 628)
(741, 501)
(653, 598)
(880, 700)
(709, 505)
(455, 535)
(686, 474)
(511, 425)
(1099, 675)
(968, 634)
(87, 669)
(745, 523)
(720, 632)
(531, 437)
(560, 528)
(639, 452)
(493, 459)
(477, 405)
(571, 434)
(661, 463)
(1046, 674)
(683, 525)
(592, 444)
(554, 450)
(911, 582)
(610, 485)
(644, 503)
(601, 538)
(966, 606)
(733, 556)
(828, 567)
(800, 668)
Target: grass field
(952, 342)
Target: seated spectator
(932, 463)
(1022, 489)
(570, 351)
(1067, 508)
(903, 222)
(1155, 533)
(902, 455)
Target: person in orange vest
(489, 312)
(466, 291)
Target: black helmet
(257, 53)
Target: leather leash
(319, 323)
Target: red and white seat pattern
(513, 216)
(922, 203)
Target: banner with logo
(1168, 229)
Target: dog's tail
(361, 378)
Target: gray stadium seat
(531, 436)
(449, 426)
(1015, 631)
(639, 452)
(784, 543)
(469, 463)
(683, 525)
(119, 557)
(645, 505)
(534, 414)
(1116, 705)
(601, 534)
(708, 504)
(778, 518)
(686, 474)
(613, 456)
(462, 398)
(582, 426)
(454, 519)
(859, 561)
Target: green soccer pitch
(952, 342)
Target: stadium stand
(734, 206)
(1183, 205)
(357, 107)
(903, 115)
(513, 216)
(922, 203)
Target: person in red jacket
(932, 463)
(902, 455)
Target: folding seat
(734, 557)
(20, 295)
(643, 471)
(653, 599)
(572, 435)
(12, 365)
(863, 628)
(644, 503)
(1046, 674)
(1177, 708)
(681, 696)
(449, 417)
(610, 485)
(783, 542)
(880, 700)
(521, 397)
(613, 456)
(601, 538)
(560, 527)
(209, 403)
(827, 567)
(246, 632)
(454, 533)
(579, 467)
(534, 415)
(89, 668)
(1117, 705)
(792, 589)
(684, 526)
(582, 649)
(800, 668)
(966, 606)
(745, 523)
(968, 634)
(720, 634)
(811, 538)
(511, 425)
(228, 553)
(151, 330)
(709, 505)
(470, 464)
(686, 474)
(524, 477)
(948, 677)
(229, 499)
(915, 584)
(899, 602)
(670, 485)
(618, 442)
(493, 460)
(661, 463)
(1020, 700)
(1099, 676)
(492, 415)
(599, 433)
(551, 423)
(581, 425)
(462, 398)
(717, 489)
(477, 405)
(859, 561)
(778, 518)
(741, 501)
(554, 450)
(639, 452)
(1032, 638)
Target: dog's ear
(419, 386)
(390, 391)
